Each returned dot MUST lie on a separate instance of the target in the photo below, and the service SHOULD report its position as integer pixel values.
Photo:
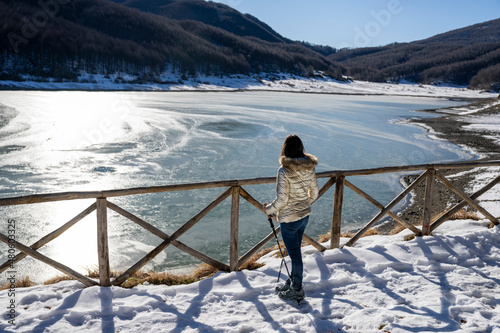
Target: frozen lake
(86, 141)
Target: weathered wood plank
(445, 217)
(416, 167)
(38, 198)
(329, 183)
(464, 196)
(51, 262)
(125, 275)
(245, 195)
(314, 243)
(387, 208)
(338, 200)
(233, 242)
(429, 190)
(380, 206)
(102, 242)
(181, 246)
(244, 258)
(50, 197)
(49, 237)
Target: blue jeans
(292, 237)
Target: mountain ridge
(469, 35)
(465, 56)
(211, 13)
(190, 37)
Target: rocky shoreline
(453, 126)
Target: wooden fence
(235, 190)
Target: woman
(296, 189)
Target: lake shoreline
(450, 127)
(451, 98)
(261, 83)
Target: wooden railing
(235, 190)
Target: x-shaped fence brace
(427, 225)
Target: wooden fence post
(337, 212)
(235, 212)
(102, 242)
(429, 186)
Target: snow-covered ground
(268, 82)
(469, 109)
(488, 125)
(449, 282)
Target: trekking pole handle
(270, 219)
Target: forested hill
(62, 38)
(221, 16)
(467, 56)
(211, 13)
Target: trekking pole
(279, 247)
(281, 266)
(297, 300)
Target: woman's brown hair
(292, 147)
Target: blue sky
(359, 23)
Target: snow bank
(448, 282)
(469, 109)
(266, 82)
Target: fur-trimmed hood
(303, 163)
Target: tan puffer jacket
(296, 189)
